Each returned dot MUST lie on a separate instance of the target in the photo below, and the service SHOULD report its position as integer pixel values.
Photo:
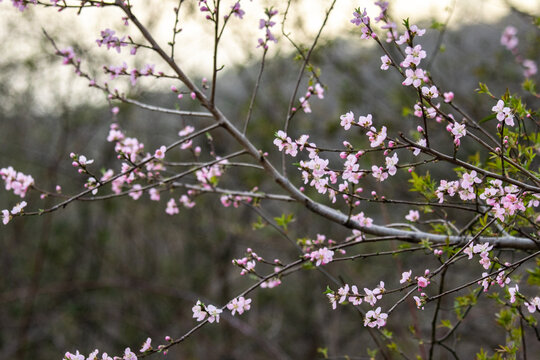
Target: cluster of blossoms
(21, 5)
(309, 245)
(134, 74)
(201, 311)
(505, 201)
(68, 56)
(501, 279)
(234, 200)
(239, 305)
(348, 119)
(457, 130)
(322, 256)
(465, 187)
(247, 263)
(17, 209)
(510, 41)
(172, 207)
(111, 41)
(350, 293)
(208, 176)
(16, 181)
(304, 100)
(128, 355)
(483, 250)
(266, 24)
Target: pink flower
(375, 318)
(76, 356)
(509, 38)
(391, 163)
(213, 313)
(322, 256)
(448, 97)
(419, 302)
(365, 121)
(129, 355)
(386, 62)
(533, 305)
(171, 207)
(199, 312)
(376, 138)
(356, 298)
(379, 173)
(430, 92)
(347, 120)
(513, 291)
(422, 282)
(405, 276)
(503, 113)
(146, 345)
(136, 192)
(414, 56)
(154, 194)
(343, 292)
(18, 208)
(6, 217)
(160, 153)
(414, 77)
(239, 305)
(413, 216)
(319, 90)
(530, 68)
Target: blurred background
(109, 274)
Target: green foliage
(259, 224)
(504, 318)
(323, 352)
(463, 302)
(423, 185)
(284, 220)
(445, 323)
(534, 274)
(483, 89)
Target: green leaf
(487, 118)
(323, 352)
(259, 224)
(284, 220)
(328, 290)
(483, 89)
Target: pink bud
(168, 338)
(174, 88)
(193, 96)
(373, 193)
(420, 129)
(343, 155)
